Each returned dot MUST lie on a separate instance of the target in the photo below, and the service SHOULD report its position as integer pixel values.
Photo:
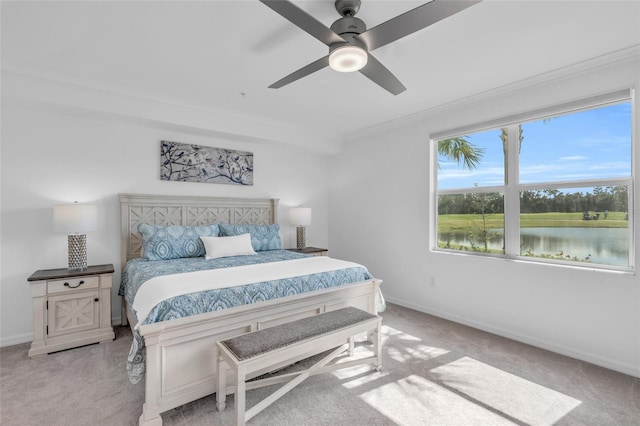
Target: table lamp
(300, 217)
(75, 220)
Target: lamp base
(77, 252)
(300, 237)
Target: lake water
(607, 246)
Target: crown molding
(276, 131)
(608, 60)
(220, 123)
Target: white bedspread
(164, 287)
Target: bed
(179, 365)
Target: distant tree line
(610, 198)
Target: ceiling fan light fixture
(348, 58)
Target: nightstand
(314, 251)
(70, 308)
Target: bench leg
(377, 345)
(240, 398)
(352, 345)
(221, 395)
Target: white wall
(379, 215)
(60, 148)
(53, 155)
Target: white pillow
(239, 245)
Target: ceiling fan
(350, 42)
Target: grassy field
(462, 222)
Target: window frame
(513, 189)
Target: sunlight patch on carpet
(504, 392)
(354, 377)
(403, 347)
(415, 400)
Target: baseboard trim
(16, 340)
(540, 343)
(28, 337)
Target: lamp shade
(300, 216)
(74, 218)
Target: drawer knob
(96, 300)
(74, 286)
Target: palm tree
(461, 150)
(505, 150)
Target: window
(551, 186)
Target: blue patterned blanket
(137, 271)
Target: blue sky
(590, 144)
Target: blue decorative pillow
(174, 242)
(263, 237)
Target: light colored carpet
(435, 372)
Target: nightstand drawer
(80, 283)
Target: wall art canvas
(196, 163)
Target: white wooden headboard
(186, 210)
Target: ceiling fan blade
(304, 21)
(412, 21)
(380, 75)
(302, 72)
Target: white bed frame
(182, 353)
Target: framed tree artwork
(196, 163)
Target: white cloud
(574, 158)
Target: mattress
(143, 274)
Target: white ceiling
(209, 53)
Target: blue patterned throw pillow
(174, 241)
(263, 237)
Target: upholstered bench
(267, 349)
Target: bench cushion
(262, 341)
